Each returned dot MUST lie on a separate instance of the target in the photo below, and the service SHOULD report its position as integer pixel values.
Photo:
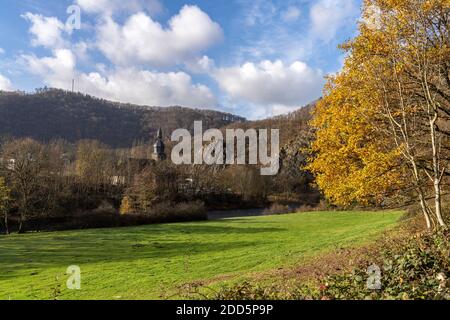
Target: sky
(254, 58)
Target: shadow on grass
(21, 254)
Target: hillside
(293, 126)
(295, 137)
(55, 114)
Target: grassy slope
(143, 262)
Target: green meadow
(149, 262)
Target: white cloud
(143, 40)
(271, 86)
(49, 32)
(201, 65)
(291, 14)
(128, 85)
(147, 88)
(57, 71)
(2, 51)
(46, 31)
(328, 16)
(5, 84)
(81, 50)
(109, 7)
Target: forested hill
(55, 114)
(292, 126)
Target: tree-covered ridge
(51, 114)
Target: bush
(170, 212)
(278, 208)
(105, 208)
(418, 270)
(106, 216)
(248, 291)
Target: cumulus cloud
(128, 85)
(111, 6)
(5, 84)
(46, 31)
(140, 40)
(272, 86)
(328, 16)
(148, 88)
(50, 32)
(203, 65)
(57, 71)
(139, 47)
(143, 40)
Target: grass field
(144, 262)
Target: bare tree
(25, 166)
(5, 199)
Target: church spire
(159, 147)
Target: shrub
(105, 208)
(126, 205)
(170, 212)
(250, 291)
(418, 270)
(277, 208)
(106, 216)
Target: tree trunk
(437, 201)
(6, 224)
(425, 210)
(420, 192)
(20, 224)
(436, 173)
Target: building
(9, 164)
(159, 148)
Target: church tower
(159, 147)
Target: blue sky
(253, 58)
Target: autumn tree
(382, 124)
(156, 184)
(93, 163)
(353, 163)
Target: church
(159, 147)
(127, 169)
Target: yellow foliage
(356, 159)
(353, 163)
(126, 206)
(357, 154)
